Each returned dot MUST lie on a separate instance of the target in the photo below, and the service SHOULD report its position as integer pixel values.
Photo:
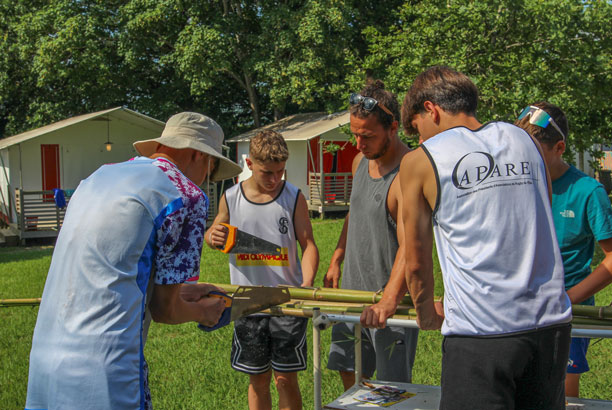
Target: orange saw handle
(220, 295)
(231, 238)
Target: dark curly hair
(376, 90)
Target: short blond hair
(268, 146)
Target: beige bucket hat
(196, 131)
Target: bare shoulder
(394, 189)
(415, 162)
(356, 162)
(417, 174)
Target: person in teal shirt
(582, 215)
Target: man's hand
(216, 236)
(196, 291)
(434, 322)
(212, 308)
(376, 315)
(332, 277)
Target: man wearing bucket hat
(132, 235)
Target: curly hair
(376, 90)
(268, 146)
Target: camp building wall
(5, 177)
(82, 151)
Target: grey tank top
(371, 243)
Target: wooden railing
(37, 214)
(39, 217)
(331, 189)
(213, 205)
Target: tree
(516, 52)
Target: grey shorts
(264, 342)
(389, 351)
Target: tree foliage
(247, 63)
(517, 52)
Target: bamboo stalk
(341, 307)
(280, 310)
(595, 312)
(19, 302)
(591, 322)
(352, 301)
(329, 294)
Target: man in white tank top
(267, 206)
(485, 188)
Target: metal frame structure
(322, 321)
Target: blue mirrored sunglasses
(368, 103)
(539, 117)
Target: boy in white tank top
(267, 206)
(505, 318)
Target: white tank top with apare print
(494, 233)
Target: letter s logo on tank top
(283, 225)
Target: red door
(50, 167)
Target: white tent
(61, 154)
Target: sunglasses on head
(539, 117)
(368, 103)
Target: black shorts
(523, 371)
(264, 342)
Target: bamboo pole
(19, 302)
(596, 312)
(591, 322)
(353, 302)
(329, 294)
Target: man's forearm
(396, 286)
(589, 286)
(421, 288)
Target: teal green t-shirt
(582, 215)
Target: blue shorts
(577, 358)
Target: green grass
(190, 369)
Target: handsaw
(247, 300)
(241, 242)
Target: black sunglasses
(368, 103)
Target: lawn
(189, 368)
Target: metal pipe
(316, 360)
(591, 331)
(355, 319)
(358, 358)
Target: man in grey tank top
(505, 318)
(371, 244)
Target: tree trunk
(253, 100)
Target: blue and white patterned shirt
(125, 224)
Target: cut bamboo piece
(595, 312)
(19, 302)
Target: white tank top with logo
(274, 222)
(494, 233)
